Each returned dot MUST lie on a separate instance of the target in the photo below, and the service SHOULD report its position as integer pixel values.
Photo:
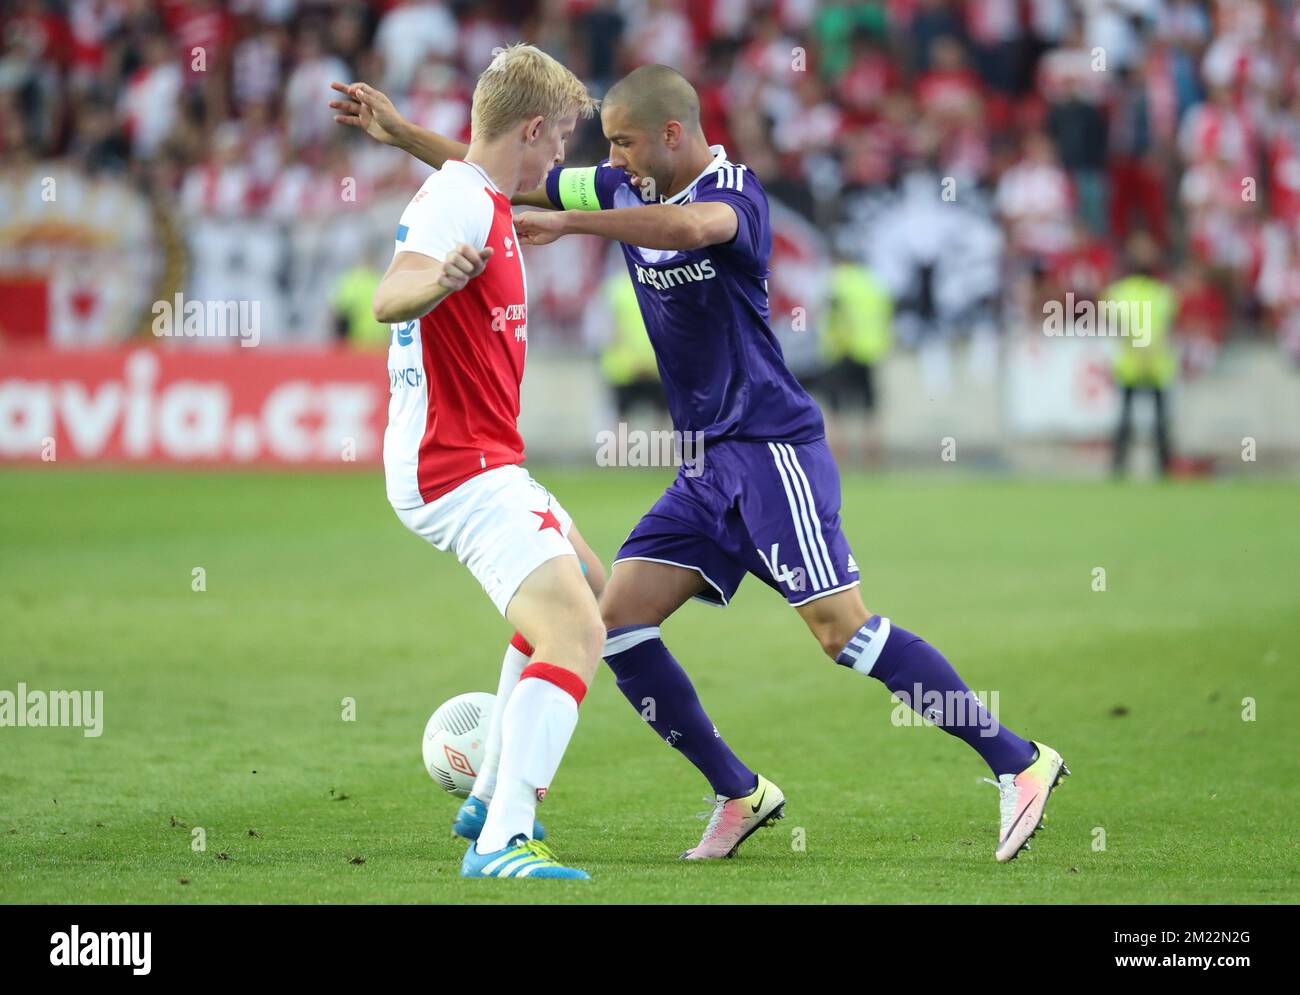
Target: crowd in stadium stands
(1061, 128)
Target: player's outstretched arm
(415, 283)
(371, 111)
(657, 226)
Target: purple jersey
(706, 310)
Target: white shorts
(501, 523)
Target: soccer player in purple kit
(765, 497)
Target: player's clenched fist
(540, 227)
(461, 265)
(415, 282)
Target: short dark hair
(654, 95)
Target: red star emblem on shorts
(549, 521)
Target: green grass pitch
(223, 708)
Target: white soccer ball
(455, 739)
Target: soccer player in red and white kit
(455, 297)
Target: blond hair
(521, 83)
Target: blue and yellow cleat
(472, 815)
(523, 858)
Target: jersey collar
(719, 157)
(481, 172)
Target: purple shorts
(767, 508)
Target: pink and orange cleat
(1024, 800)
(734, 820)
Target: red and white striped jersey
(454, 374)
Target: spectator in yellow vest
(354, 321)
(628, 360)
(1146, 361)
(856, 335)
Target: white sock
(511, 667)
(538, 722)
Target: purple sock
(657, 687)
(920, 677)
